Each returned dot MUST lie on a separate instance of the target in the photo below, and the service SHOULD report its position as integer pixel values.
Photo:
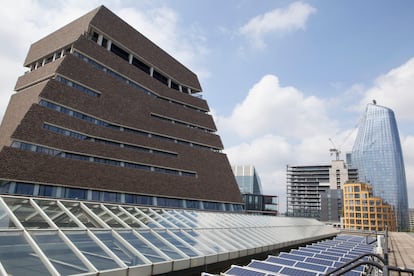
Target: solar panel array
(313, 260)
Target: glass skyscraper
(378, 157)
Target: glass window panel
(194, 242)
(17, 257)
(129, 258)
(58, 253)
(86, 219)
(75, 193)
(25, 213)
(153, 239)
(95, 254)
(177, 243)
(153, 214)
(142, 247)
(46, 190)
(24, 188)
(104, 215)
(124, 217)
(201, 238)
(4, 187)
(5, 220)
(55, 213)
(148, 222)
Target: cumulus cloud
(283, 110)
(278, 125)
(395, 90)
(281, 20)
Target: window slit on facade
(79, 87)
(137, 63)
(98, 122)
(80, 136)
(93, 159)
(48, 59)
(132, 83)
(42, 190)
(178, 122)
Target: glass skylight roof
(62, 237)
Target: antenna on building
(334, 150)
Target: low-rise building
(363, 211)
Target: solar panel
(297, 272)
(326, 257)
(279, 260)
(241, 271)
(292, 256)
(312, 260)
(319, 261)
(265, 266)
(315, 267)
(309, 249)
(303, 253)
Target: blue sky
(280, 77)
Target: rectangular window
(24, 188)
(158, 76)
(111, 197)
(4, 187)
(95, 36)
(75, 193)
(193, 204)
(140, 65)
(119, 52)
(175, 86)
(46, 190)
(104, 42)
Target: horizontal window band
(81, 136)
(94, 159)
(102, 123)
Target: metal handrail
(357, 262)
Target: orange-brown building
(363, 211)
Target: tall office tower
(247, 179)
(105, 114)
(378, 157)
(251, 189)
(315, 190)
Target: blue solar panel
(292, 257)
(240, 271)
(310, 249)
(315, 267)
(265, 266)
(312, 260)
(297, 272)
(326, 257)
(303, 253)
(319, 261)
(278, 260)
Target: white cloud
(291, 18)
(395, 90)
(279, 126)
(272, 108)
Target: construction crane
(334, 150)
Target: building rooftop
(40, 236)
